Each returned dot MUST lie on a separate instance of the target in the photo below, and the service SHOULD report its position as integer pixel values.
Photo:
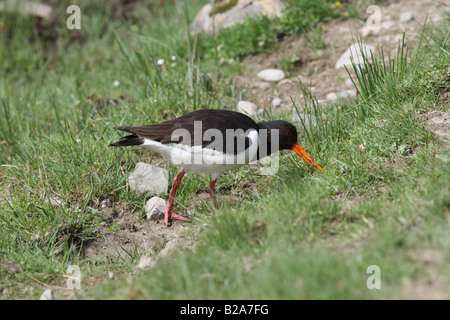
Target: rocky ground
(318, 67)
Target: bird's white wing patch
(186, 155)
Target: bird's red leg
(173, 191)
(212, 192)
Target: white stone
(355, 51)
(387, 25)
(332, 96)
(367, 31)
(344, 94)
(155, 208)
(146, 263)
(105, 204)
(249, 108)
(271, 75)
(276, 102)
(169, 249)
(27, 8)
(204, 21)
(436, 19)
(47, 295)
(150, 179)
(54, 201)
(307, 118)
(291, 81)
(406, 17)
(263, 85)
(349, 93)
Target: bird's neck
(268, 140)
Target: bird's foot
(170, 213)
(212, 193)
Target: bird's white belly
(203, 160)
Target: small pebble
(155, 208)
(276, 102)
(248, 108)
(47, 295)
(271, 75)
(146, 263)
(332, 96)
(406, 17)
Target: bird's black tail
(131, 140)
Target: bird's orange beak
(302, 153)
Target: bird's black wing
(201, 127)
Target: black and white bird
(213, 141)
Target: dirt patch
(395, 163)
(100, 104)
(9, 268)
(132, 234)
(433, 287)
(315, 64)
(426, 256)
(438, 123)
(444, 96)
(128, 232)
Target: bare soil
(133, 234)
(315, 67)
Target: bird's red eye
(288, 133)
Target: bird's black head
(283, 130)
(286, 133)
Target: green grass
(382, 198)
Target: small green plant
(301, 15)
(220, 6)
(257, 34)
(251, 36)
(315, 39)
(373, 71)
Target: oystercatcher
(213, 141)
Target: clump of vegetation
(220, 6)
(257, 34)
(301, 16)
